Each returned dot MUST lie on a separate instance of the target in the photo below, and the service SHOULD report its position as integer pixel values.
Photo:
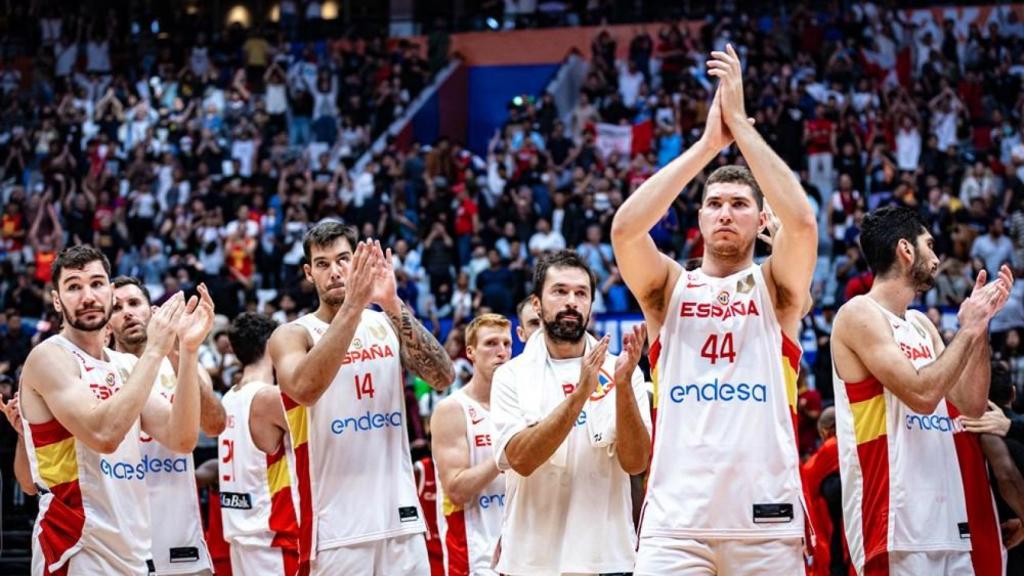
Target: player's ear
(55, 296)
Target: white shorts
(260, 560)
(660, 555)
(915, 563)
(399, 556)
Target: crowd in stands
(206, 157)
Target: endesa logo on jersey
(367, 422)
(718, 310)
(716, 391)
(491, 500)
(121, 470)
(933, 423)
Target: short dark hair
(882, 230)
(325, 233)
(77, 258)
(522, 306)
(733, 174)
(248, 335)
(1000, 388)
(133, 281)
(560, 259)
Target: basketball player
(83, 411)
(257, 462)
(724, 493)
(529, 321)
(340, 369)
(471, 498)
(571, 424)
(915, 494)
(178, 543)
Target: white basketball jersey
(725, 453)
(902, 486)
(257, 490)
(89, 500)
(469, 534)
(178, 543)
(351, 448)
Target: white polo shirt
(572, 518)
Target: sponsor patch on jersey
(773, 513)
(408, 514)
(745, 285)
(965, 530)
(235, 500)
(184, 554)
(605, 383)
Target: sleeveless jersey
(89, 500)
(178, 543)
(725, 461)
(470, 533)
(901, 474)
(352, 455)
(257, 497)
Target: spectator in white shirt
(545, 239)
(908, 145)
(978, 183)
(630, 80)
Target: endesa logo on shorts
(367, 422)
(121, 470)
(933, 423)
(716, 391)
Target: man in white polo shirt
(571, 424)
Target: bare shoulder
(267, 400)
(447, 425)
(287, 338)
(857, 321)
(47, 362)
(446, 411)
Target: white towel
(539, 394)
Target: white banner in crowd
(614, 138)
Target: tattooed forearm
(421, 353)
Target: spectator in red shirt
(467, 221)
(819, 138)
(823, 487)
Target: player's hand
(1013, 532)
(985, 299)
(196, 321)
(10, 409)
(362, 273)
(771, 228)
(632, 349)
(162, 329)
(993, 421)
(385, 287)
(726, 67)
(591, 365)
(716, 132)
